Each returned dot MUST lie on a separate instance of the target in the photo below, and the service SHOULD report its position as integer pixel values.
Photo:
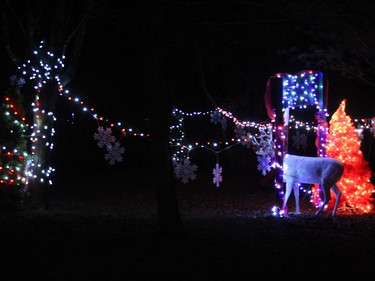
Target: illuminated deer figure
(312, 170)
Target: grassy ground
(107, 230)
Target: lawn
(107, 230)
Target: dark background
(103, 220)
(216, 53)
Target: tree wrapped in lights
(343, 144)
(65, 25)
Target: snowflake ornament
(215, 117)
(185, 171)
(16, 82)
(114, 153)
(217, 179)
(218, 118)
(264, 164)
(223, 122)
(104, 137)
(299, 140)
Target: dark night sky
(237, 47)
(237, 44)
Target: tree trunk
(168, 210)
(160, 107)
(42, 141)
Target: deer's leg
(288, 191)
(338, 196)
(296, 195)
(326, 197)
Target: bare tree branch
(6, 39)
(16, 16)
(79, 33)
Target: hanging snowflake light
(185, 171)
(264, 164)
(223, 122)
(215, 117)
(16, 82)
(114, 153)
(218, 118)
(217, 179)
(104, 137)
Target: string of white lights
(46, 66)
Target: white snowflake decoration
(114, 153)
(218, 118)
(185, 171)
(217, 179)
(264, 164)
(104, 137)
(16, 82)
(215, 117)
(223, 122)
(299, 140)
